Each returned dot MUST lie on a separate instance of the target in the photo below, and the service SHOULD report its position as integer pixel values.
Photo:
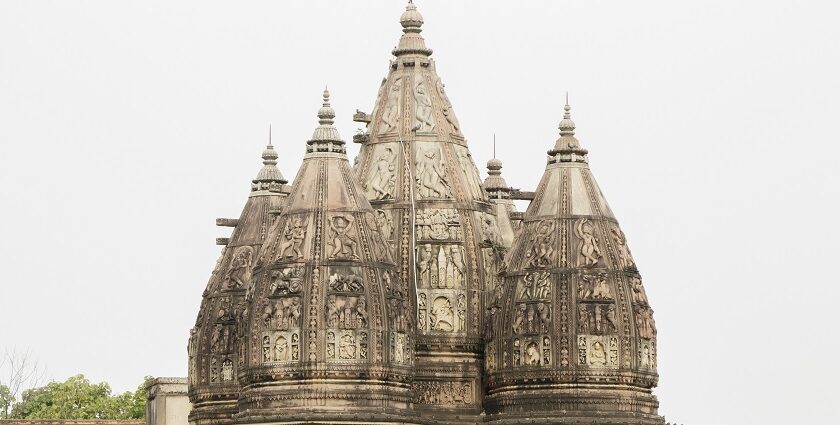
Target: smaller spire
(495, 184)
(269, 177)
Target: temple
(406, 290)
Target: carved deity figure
(544, 314)
(471, 173)
(639, 296)
(227, 370)
(597, 354)
(392, 108)
(542, 249)
(447, 107)
(344, 245)
(490, 229)
(624, 255)
(594, 287)
(536, 286)
(385, 223)
(532, 354)
(583, 318)
(611, 318)
(645, 323)
(424, 264)
(332, 311)
(281, 349)
(293, 236)
(454, 268)
(361, 313)
(347, 347)
(292, 312)
(382, 181)
(588, 250)
(442, 315)
(239, 272)
(519, 319)
(431, 176)
(424, 120)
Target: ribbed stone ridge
(329, 331)
(573, 339)
(216, 341)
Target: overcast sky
(127, 127)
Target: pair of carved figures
(285, 314)
(597, 318)
(286, 281)
(536, 286)
(594, 287)
(399, 314)
(444, 270)
(346, 312)
(532, 318)
(430, 173)
(645, 323)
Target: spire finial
(326, 113)
(494, 145)
(567, 126)
(411, 41)
(269, 134)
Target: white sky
(127, 127)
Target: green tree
(6, 401)
(78, 398)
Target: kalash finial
(567, 143)
(411, 41)
(269, 177)
(326, 137)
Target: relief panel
(346, 345)
(380, 184)
(431, 176)
(444, 393)
(278, 347)
(598, 351)
(438, 224)
(532, 351)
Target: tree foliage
(78, 398)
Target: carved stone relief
(444, 393)
(490, 229)
(344, 237)
(532, 318)
(440, 266)
(638, 291)
(588, 251)
(542, 250)
(286, 281)
(535, 286)
(594, 287)
(280, 347)
(424, 119)
(647, 354)
(447, 108)
(598, 352)
(381, 183)
(439, 224)
(532, 351)
(286, 314)
(468, 167)
(391, 114)
(291, 245)
(624, 256)
(442, 311)
(238, 275)
(402, 348)
(431, 175)
(597, 318)
(645, 325)
(399, 314)
(346, 345)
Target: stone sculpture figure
(544, 313)
(536, 286)
(532, 354)
(239, 273)
(519, 319)
(286, 281)
(611, 318)
(624, 255)
(597, 354)
(432, 179)
(293, 236)
(454, 268)
(447, 107)
(385, 223)
(345, 283)
(471, 172)
(361, 313)
(227, 370)
(424, 265)
(588, 250)
(645, 324)
(424, 120)
(639, 296)
(583, 318)
(382, 181)
(347, 347)
(281, 349)
(442, 315)
(490, 229)
(392, 109)
(542, 249)
(344, 245)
